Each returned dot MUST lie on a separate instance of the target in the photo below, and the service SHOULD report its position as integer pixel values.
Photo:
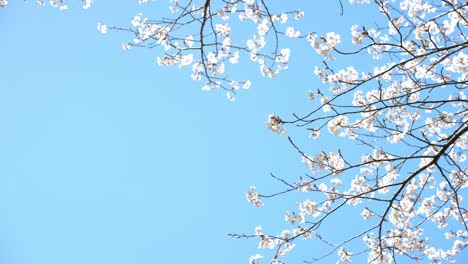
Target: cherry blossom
(407, 112)
(404, 109)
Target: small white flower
(275, 123)
(366, 214)
(102, 28)
(87, 4)
(246, 84)
(299, 15)
(255, 259)
(315, 133)
(125, 46)
(231, 96)
(345, 256)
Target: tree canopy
(393, 88)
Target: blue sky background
(108, 158)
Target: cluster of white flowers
(55, 3)
(308, 207)
(283, 57)
(272, 242)
(215, 42)
(388, 179)
(275, 124)
(286, 248)
(253, 197)
(102, 28)
(211, 50)
(357, 35)
(336, 124)
(255, 259)
(223, 29)
(340, 80)
(367, 214)
(324, 45)
(315, 133)
(269, 242)
(458, 64)
(293, 218)
(266, 242)
(344, 255)
(292, 33)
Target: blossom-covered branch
(407, 112)
(215, 46)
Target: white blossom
(344, 255)
(255, 259)
(253, 197)
(275, 124)
(102, 28)
(290, 32)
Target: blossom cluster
(253, 197)
(61, 3)
(216, 46)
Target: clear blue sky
(108, 158)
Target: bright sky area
(108, 158)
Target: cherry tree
(405, 110)
(407, 114)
